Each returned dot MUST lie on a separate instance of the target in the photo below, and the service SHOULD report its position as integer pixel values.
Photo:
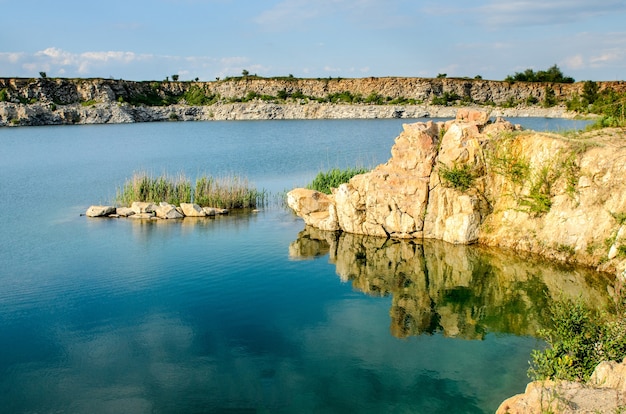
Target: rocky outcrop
(59, 101)
(604, 393)
(470, 180)
(152, 211)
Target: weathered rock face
(470, 180)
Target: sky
(209, 39)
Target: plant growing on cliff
(459, 177)
(325, 181)
(578, 339)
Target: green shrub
(531, 100)
(459, 177)
(578, 339)
(196, 96)
(550, 98)
(4, 95)
(446, 99)
(333, 178)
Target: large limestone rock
(140, 207)
(316, 209)
(192, 210)
(604, 393)
(472, 180)
(100, 211)
(167, 211)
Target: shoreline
(41, 114)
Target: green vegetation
(532, 185)
(333, 178)
(553, 74)
(448, 98)
(550, 98)
(226, 192)
(199, 97)
(145, 188)
(578, 339)
(609, 104)
(457, 177)
(4, 95)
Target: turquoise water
(243, 313)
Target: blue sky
(152, 39)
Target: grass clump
(459, 177)
(146, 188)
(227, 192)
(333, 178)
(578, 339)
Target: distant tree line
(553, 74)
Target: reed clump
(227, 192)
(231, 192)
(146, 188)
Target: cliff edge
(470, 180)
(62, 101)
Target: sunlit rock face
(458, 290)
(472, 180)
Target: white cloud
(575, 62)
(56, 62)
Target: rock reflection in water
(462, 291)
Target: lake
(246, 313)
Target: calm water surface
(244, 313)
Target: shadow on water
(460, 291)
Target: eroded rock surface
(471, 180)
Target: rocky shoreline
(39, 114)
(154, 211)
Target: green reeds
(230, 192)
(333, 178)
(146, 188)
(227, 192)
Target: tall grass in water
(333, 178)
(146, 188)
(227, 192)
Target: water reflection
(462, 291)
